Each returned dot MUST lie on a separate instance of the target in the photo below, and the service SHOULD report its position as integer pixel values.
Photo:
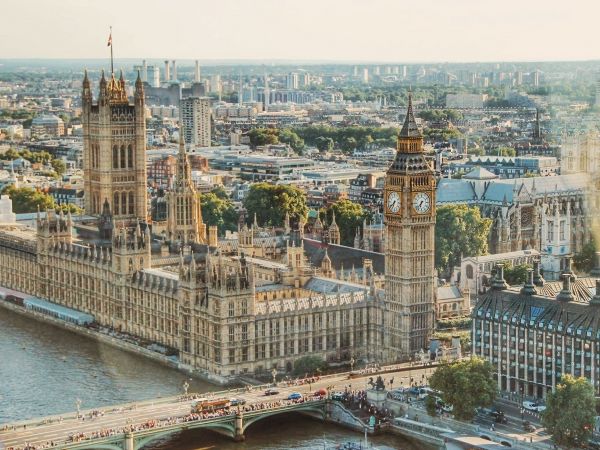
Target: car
(532, 406)
(340, 396)
(295, 396)
(271, 392)
(499, 417)
(237, 401)
(528, 426)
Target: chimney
(595, 300)
(174, 74)
(499, 283)
(529, 286)
(565, 295)
(538, 280)
(167, 71)
(197, 72)
(595, 272)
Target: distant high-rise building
(404, 71)
(377, 70)
(519, 78)
(597, 100)
(215, 83)
(355, 71)
(304, 79)
(292, 81)
(155, 76)
(195, 120)
(365, 75)
(535, 78)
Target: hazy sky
(349, 30)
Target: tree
(59, 166)
(271, 202)
(68, 207)
(288, 136)
(460, 230)
(431, 405)
(506, 151)
(585, 260)
(349, 216)
(218, 211)
(309, 365)
(28, 200)
(11, 154)
(263, 136)
(324, 144)
(348, 144)
(466, 385)
(570, 411)
(515, 274)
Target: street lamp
(274, 374)
(352, 364)
(78, 406)
(186, 386)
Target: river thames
(45, 369)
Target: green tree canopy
(466, 384)
(288, 136)
(505, 151)
(271, 202)
(309, 365)
(324, 144)
(263, 136)
(460, 231)
(28, 200)
(585, 260)
(349, 216)
(59, 166)
(218, 211)
(515, 274)
(570, 411)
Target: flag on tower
(109, 40)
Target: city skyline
(387, 31)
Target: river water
(44, 369)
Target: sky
(308, 30)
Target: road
(39, 434)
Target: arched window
(116, 203)
(469, 271)
(122, 157)
(129, 156)
(131, 203)
(124, 203)
(115, 157)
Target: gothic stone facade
(227, 314)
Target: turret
(86, 95)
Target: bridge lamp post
(186, 386)
(352, 364)
(274, 373)
(78, 406)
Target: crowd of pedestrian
(169, 421)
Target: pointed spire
(255, 221)
(410, 128)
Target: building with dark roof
(534, 335)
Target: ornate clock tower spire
(409, 195)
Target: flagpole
(112, 69)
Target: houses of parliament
(249, 303)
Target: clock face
(393, 202)
(421, 202)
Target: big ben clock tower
(409, 201)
